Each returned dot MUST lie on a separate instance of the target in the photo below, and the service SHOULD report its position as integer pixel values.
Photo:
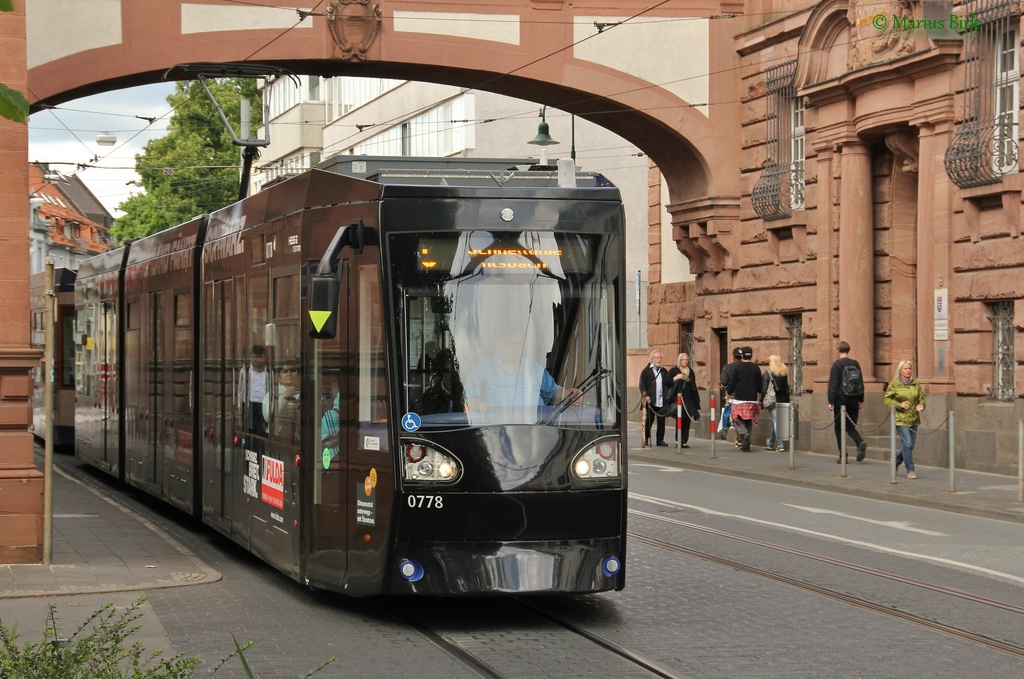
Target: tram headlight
(598, 461)
(425, 463)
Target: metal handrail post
(792, 421)
(1020, 460)
(952, 454)
(892, 444)
(842, 441)
(714, 425)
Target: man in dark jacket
(654, 388)
(838, 395)
(723, 379)
(745, 392)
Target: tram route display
(409, 386)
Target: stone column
(824, 298)
(857, 256)
(21, 485)
(934, 219)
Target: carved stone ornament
(904, 145)
(354, 25)
(875, 33)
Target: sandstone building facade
(881, 205)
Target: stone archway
(676, 101)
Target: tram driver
(512, 382)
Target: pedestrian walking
(775, 390)
(745, 394)
(906, 395)
(685, 383)
(723, 380)
(846, 388)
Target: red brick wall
(21, 485)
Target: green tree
(13, 104)
(195, 168)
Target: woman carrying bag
(684, 384)
(775, 387)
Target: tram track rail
(481, 668)
(1011, 648)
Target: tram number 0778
(425, 501)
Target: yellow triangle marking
(319, 318)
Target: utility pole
(48, 383)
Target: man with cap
(745, 392)
(723, 380)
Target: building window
(686, 342)
(985, 146)
(797, 155)
(1006, 83)
(1003, 387)
(795, 328)
(780, 190)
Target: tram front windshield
(502, 328)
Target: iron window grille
(985, 147)
(795, 328)
(1003, 387)
(780, 190)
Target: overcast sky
(66, 136)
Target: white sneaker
(911, 475)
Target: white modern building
(323, 117)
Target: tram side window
(67, 358)
(182, 351)
(281, 403)
(372, 377)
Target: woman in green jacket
(905, 394)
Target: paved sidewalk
(976, 493)
(99, 546)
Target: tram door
(352, 474)
(96, 423)
(218, 404)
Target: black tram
(411, 385)
(63, 354)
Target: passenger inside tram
(445, 393)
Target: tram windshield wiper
(586, 385)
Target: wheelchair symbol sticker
(410, 422)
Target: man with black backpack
(846, 388)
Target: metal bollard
(679, 424)
(714, 425)
(1020, 461)
(952, 454)
(892, 443)
(842, 441)
(792, 448)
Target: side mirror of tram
(325, 283)
(323, 306)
